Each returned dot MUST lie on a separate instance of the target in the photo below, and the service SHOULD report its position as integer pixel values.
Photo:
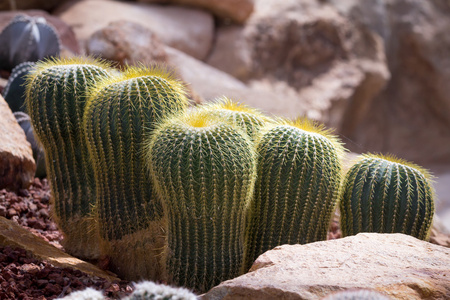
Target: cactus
(14, 92)
(38, 152)
(27, 39)
(204, 171)
(121, 112)
(387, 195)
(86, 294)
(356, 295)
(148, 290)
(55, 101)
(297, 186)
(247, 118)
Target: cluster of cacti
(121, 112)
(145, 290)
(192, 197)
(27, 39)
(14, 92)
(387, 195)
(55, 100)
(204, 170)
(296, 189)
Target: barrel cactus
(55, 100)
(148, 290)
(387, 195)
(204, 171)
(121, 112)
(14, 92)
(240, 115)
(297, 186)
(27, 39)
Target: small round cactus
(356, 295)
(86, 294)
(148, 290)
(297, 185)
(204, 171)
(27, 39)
(240, 115)
(385, 194)
(14, 92)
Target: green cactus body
(386, 195)
(296, 189)
(55, 100)
(204, 170)
(242, 116)
(120, 113)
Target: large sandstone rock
(235, 10)
(332, 68)
(12, 234)
(411, 117)
(17, 166)
(186, 29)
(396, 265)
(65, 32)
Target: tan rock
(396, 265)
(127, 43)
(12, 234)
(186, 29)
(17, 166)
(235, 10)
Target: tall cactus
(14, 92)
(297, 184)
(387, 195)
(55, 100)
(240, 115)
(27, 39)
(121, 112)
(204, 171)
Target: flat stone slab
(397, 265)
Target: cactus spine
(298, 179)
(55, 100)
(204, 171)
(386, 195)
(14, 92)
(242, 116)
(148, 290)
(121, 111)
(27, 39)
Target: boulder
(186, 29)
(396, 265)
(127, 43)
(411, 116)
(14, 235)
(237, 11)
(69, 42)
(17, 166)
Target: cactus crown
(27, 39)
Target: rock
(188, 30)
(69, 42)
(12, 234)
(396, 265)
(127, 43)
(330, 68)
(410, 117)
(29, 4)
(237, 11)
(17, 166)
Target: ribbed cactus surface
(27, 38)
(204, 170)
(14, 92)
(386, 195)
(55, 100)
(121, 112)
(237, 114)
(297, 184)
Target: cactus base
(81, 238)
